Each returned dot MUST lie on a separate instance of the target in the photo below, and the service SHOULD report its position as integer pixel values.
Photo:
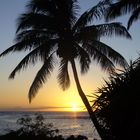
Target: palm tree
(50, 29)
(122, 7)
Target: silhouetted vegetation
(118, 104)
(122, 7)
(36, 129)
(53, 28)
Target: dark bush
(36, 129)
(118, 104)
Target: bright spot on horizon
(75, 107)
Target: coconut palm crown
(51, 29)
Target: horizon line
(35, 108)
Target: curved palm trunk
(86, 102)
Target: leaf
(41, 77)
(63, 76)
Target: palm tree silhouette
(50, 29)
(122, 7)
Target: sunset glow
(75, 108)
(50, 97)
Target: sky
(14, 93)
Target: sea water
(68, 123)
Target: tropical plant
(36, 127)
(50, 29)
(117, 103)
(122, 7)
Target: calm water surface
(68, 123)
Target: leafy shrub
(36, 129)
(36, 126)
(118, 103)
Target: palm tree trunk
(86, 102)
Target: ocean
(68, 123)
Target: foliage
(52, 28)
(122, 7)
(34, 128)
(118, 103)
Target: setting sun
(75, 107)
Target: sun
(75, 107)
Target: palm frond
(40, 5)
(32, 57)
(47, 6)
(35, 20)
(86, 34)
(39, 53)
(62, 13)
(114, 28)
(63, 76)
(84, 59)
(113, 11)
(95, 12)
(26, 43)
(68, 11)
(120, 8)
(135, 16)
(16, 47)
(95, 32)
(38, 35)
(114, 56)
(29, 43)
(41, 77)
(105, 63)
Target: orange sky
(50, 96)
(13, 93)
